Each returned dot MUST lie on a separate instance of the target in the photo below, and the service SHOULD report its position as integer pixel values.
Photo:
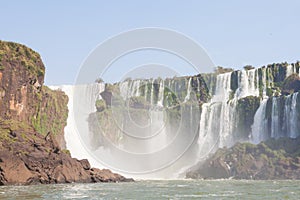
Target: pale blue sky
(234, 33)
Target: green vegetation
(273, 159)
(100, 105)
(47, 110)
(170, 98)
(66, 151)
(16, 53)
(8, 127)
(246, 108)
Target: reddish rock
(32, 119)
(85, 164)
(14, 171)
(38, 161)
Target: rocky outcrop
(246, 109)
(291, 84)
(27, 157)
(23, 96)
(273, 159)
(32, 119)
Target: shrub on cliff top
(222, 70)
(13, 52)
(248, 67)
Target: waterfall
(284, 114)
(189, 90)
(152, 93)
(283, 119)
(264, 82)
(150, 138)
(291, 115)
(290, 69)
(124, 88)
(222, 91)
(259, 127)
(161, 94)
(275, 126)
(135, 88)
(217, 120)
(154, 140)
(146, 90)
(88, 95)
(248, 83)
(252, 76)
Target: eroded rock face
(32, 119)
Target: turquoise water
(175, 189)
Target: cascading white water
(223, 90)
(283, 121)
(259, 127)
(248, 83)
(290, 115)
(135, 88)
(74, 143)
(275, 125)
(161, 94)
(189, 90)
(264, 82)
(217, 123)
(217, 118)
(124, 89)
(252, 77)
(152, 93)
(146, 90)
(290, 69)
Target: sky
(233, 33)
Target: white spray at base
(155, 158)
(275, 117)
(72, 136)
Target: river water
(159, 189)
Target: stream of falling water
(166, 151)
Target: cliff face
(21, 79)
(23, 96)
(32, 119)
